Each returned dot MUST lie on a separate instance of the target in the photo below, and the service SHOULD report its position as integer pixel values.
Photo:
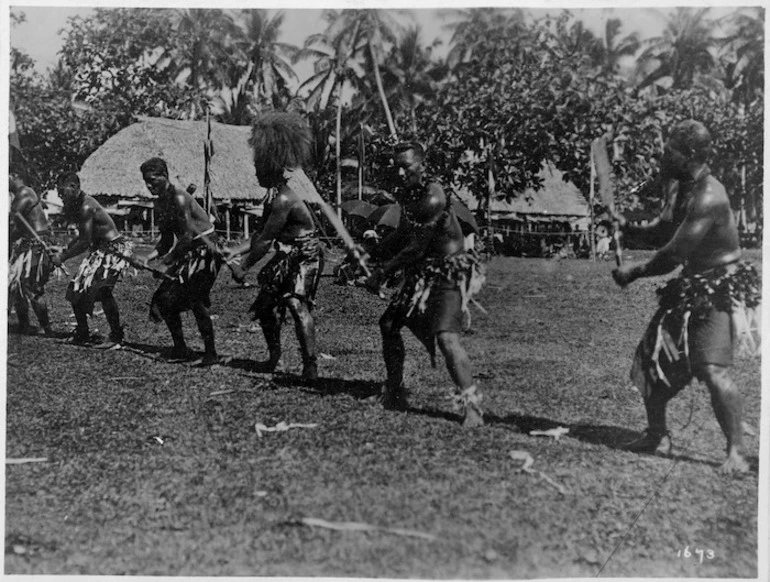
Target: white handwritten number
(686, 553)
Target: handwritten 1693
(697, 553)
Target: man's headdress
(280, 141)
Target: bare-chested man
(281, 141)
(188, 247)
(690, 335)
(101, 270)
(30, 265)
(440, 278)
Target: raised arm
(701, 213)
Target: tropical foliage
(511, 92)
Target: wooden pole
(361, 163)
(207, 162)
(337, 152)
(592, 226)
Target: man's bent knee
(713, 374)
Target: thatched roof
(113, 169)
(556, 198)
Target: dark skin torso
(706, 235)
(288, 218)
(425, 229)
(27, 203)
(95, 226)
(180, 217)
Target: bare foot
(474, 417)
(734, 464)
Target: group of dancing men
(692, 334)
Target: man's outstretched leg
(459, 366)
(655, 406)
(728, 404)
(112, 314)
(206, 329)
(270, 322)
(40, 307)
(393, 352)
(305, 329)
(22, 314)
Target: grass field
(157, 469)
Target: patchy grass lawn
(157, 469)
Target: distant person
(440, 277)
(282, 141)
(191, 254)
(101, 270)
(691, 334)
(30, 266)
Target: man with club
(702, 312)
(192, 258)
(440, 277)
(30, 265)
(281, 142)
(100, 270)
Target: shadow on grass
(612, 437)
(359, 389)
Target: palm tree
(367, 29)
(204, 38)
(269, 72)
(410, 75)
(683, 51)
(335, 67)
(743, 58)
(615, 49)
(474, 27)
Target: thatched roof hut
(113, 169)
(557, 200)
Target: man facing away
(30, 266)
(700, 315)
(101, 269)
(281, 141)
(189, 250)
(440, 277)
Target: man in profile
(281, 141)
(694, 330)
(188, 248)
(440, 277)
(101, 269)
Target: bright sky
(39, 35)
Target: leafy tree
(122, 58)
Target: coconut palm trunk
(381, 90)
(337, 151)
